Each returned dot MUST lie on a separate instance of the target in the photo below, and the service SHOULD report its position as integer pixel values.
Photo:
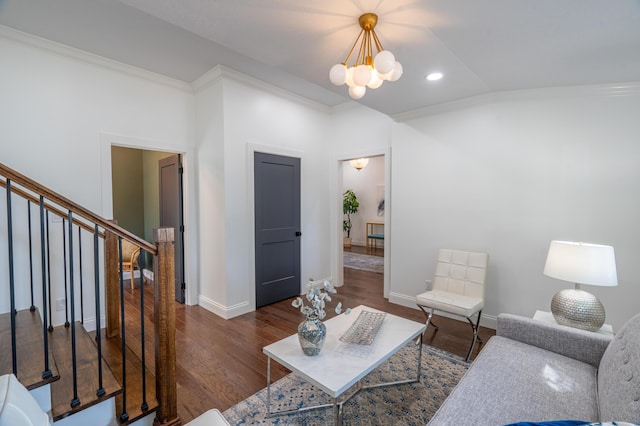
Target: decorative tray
(364, 328)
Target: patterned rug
(405, 404)
(364, 262)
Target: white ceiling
(480, 46)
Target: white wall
(509, 175)
(56, 107)
(356, 131)
(254, 118)
(505, 174)
(365, 183)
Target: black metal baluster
(144, 406)
(74, 364)
(81, 279)
(33, 307)
(64, 257)
(124, 416)
(50, 328)
(12, 296)
(46, 373)
(96, 268)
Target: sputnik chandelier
(366, 71)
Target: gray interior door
(277, 217)
(171, 213)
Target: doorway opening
(364, 229)
(147, 193)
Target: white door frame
(106, 142)
(337, 261)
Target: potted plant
(350, 206)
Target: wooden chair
(130, 252)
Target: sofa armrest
(578, 344)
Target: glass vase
(311, 335)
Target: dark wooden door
(171, 213)
(277, 227)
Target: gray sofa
(536, 371)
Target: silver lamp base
(577, 308)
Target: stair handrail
(164, 331)
(65, 203)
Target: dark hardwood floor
(220, 362)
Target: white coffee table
(340, 366)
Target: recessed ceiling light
(434, 76)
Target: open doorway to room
(147, 193)
(363, 181)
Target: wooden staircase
(30, 367)
(80, 370)
(30, 349)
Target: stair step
(29, 350)
(87, 372)
(112, 353)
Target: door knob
(298, 233)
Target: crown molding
(220, 72)
(350, 105)
(84, 56)
(609, 90)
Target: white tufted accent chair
(458, 288)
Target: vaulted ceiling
(480, 46)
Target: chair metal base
(428, 312)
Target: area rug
(405, 404)
(364, 262)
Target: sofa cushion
(511, 381)
(582, 345)
(619, 375)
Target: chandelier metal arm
(377, 42)
(353, 47)
(363, 49)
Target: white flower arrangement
(318, 294)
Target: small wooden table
(374, 235)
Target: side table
(548, 317)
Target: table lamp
(580, 263)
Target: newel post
(164, 328)
(112, 283)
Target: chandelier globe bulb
(397, 72)
(362, 75)
(375, 81)
(384, 62)
(338, 74)
(350, 72)
(357, 92)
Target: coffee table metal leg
(399, 382)
(338, 403)
(419, 358)
(295, 410)
(268, 386)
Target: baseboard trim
(90, 323)
(488, 321)
(223, 311)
